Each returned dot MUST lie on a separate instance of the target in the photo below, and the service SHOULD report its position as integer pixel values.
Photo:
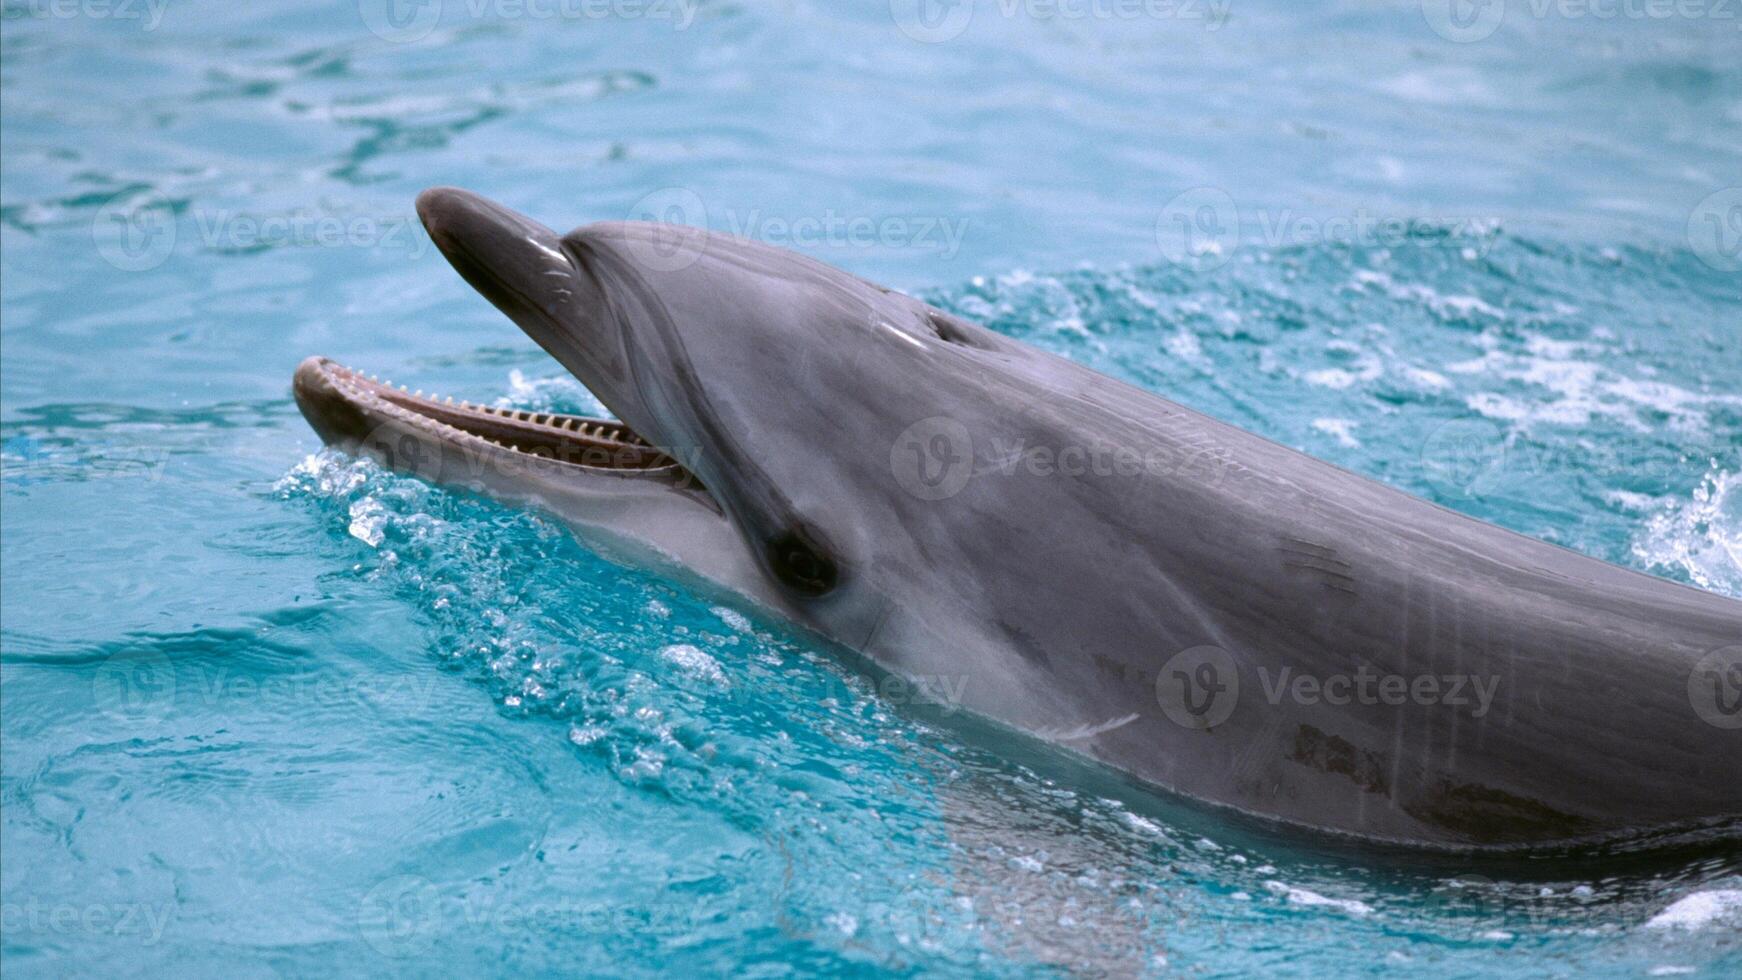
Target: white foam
(1143, 824)
(1184, 345)
(845, 924)
(1636, 502)
(1312, 899)
(694, 662)
(1583, 387)
(732, 618)
(1340, 429)
(1432, 380)
(1443, 86)
(1335, 378)
(368, 521)
(1700, 536)
(1701, 909)
(586, 734)
(1445, 307)
(1466, 305)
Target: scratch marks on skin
(1320, 562)
(1470, 811)
(1081, 732)
(566, 272)
(1325, 752)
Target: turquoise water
(268, 710)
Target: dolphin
(1071, 557)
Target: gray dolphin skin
(1071, 557)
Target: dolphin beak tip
(438, 205)
(333, 416)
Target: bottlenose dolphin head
(854, 460)
(766, 385)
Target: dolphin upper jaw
(635, 488)
(541, 281)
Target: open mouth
(574, 440)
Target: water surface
(270, 710)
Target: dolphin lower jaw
(627, 500)
(349, 408)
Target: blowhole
(950, 330)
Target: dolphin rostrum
(1069, 556)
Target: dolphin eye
(800, 565)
